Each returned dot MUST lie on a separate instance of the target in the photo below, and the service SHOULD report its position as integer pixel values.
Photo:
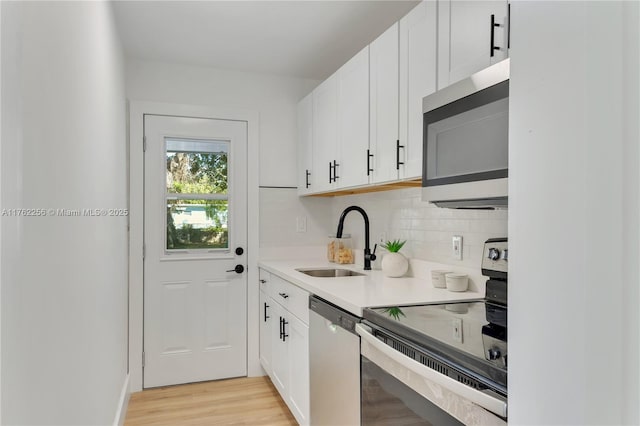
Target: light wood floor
(243, 401)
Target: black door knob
(238, 269)
(239, 251)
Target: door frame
(137, 111)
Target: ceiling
(307, 39)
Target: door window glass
(197, 201)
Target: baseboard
(123, 403)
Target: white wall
(274, 97)
(64, 279)
(574, 214)
(281, 208)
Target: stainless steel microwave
(466, 141)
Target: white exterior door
(195, 222)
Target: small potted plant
(394, 264)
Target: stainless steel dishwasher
(334, 365)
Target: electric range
(463, 341)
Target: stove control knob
(505, 255)
(494, 254)
(493, 354)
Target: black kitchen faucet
(368, 256)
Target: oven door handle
(485, 401)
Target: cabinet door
(305, 142)
(353, 120)
(418, 42)
(384, 105)
(266, 335)
(298, 341)
(325, 133)
(279, 351)
(464, 30)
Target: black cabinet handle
(266, 317)
(283, 295)
(281, 328)
(330, 172)
(238, 269)
(509, 26)
(335, 170)
(493, 26)
(263, 281)
(307, 178)
(369, 155)
(398, 162)
(284, 331)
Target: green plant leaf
(394, 312)
(394, 246)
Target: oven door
(396, 387)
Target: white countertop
(353, 294)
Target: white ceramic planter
(394, 265)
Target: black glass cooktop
(471, 335)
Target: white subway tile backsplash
(399, 214)
(427, 228)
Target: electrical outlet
(456, 248)
(456, 330)
(301, 224)
(382, 238)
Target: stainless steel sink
(329, 273)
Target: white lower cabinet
(266, 321)
(279, 353)
(284, 341)
(298, 346)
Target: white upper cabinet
(325, 135)
(418, 49)
(305, 144)
(363, 125)
(383, 105)
(353, 121)
(468, 42)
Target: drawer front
(291, 297)
(265, 282)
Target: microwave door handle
(482, 399)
